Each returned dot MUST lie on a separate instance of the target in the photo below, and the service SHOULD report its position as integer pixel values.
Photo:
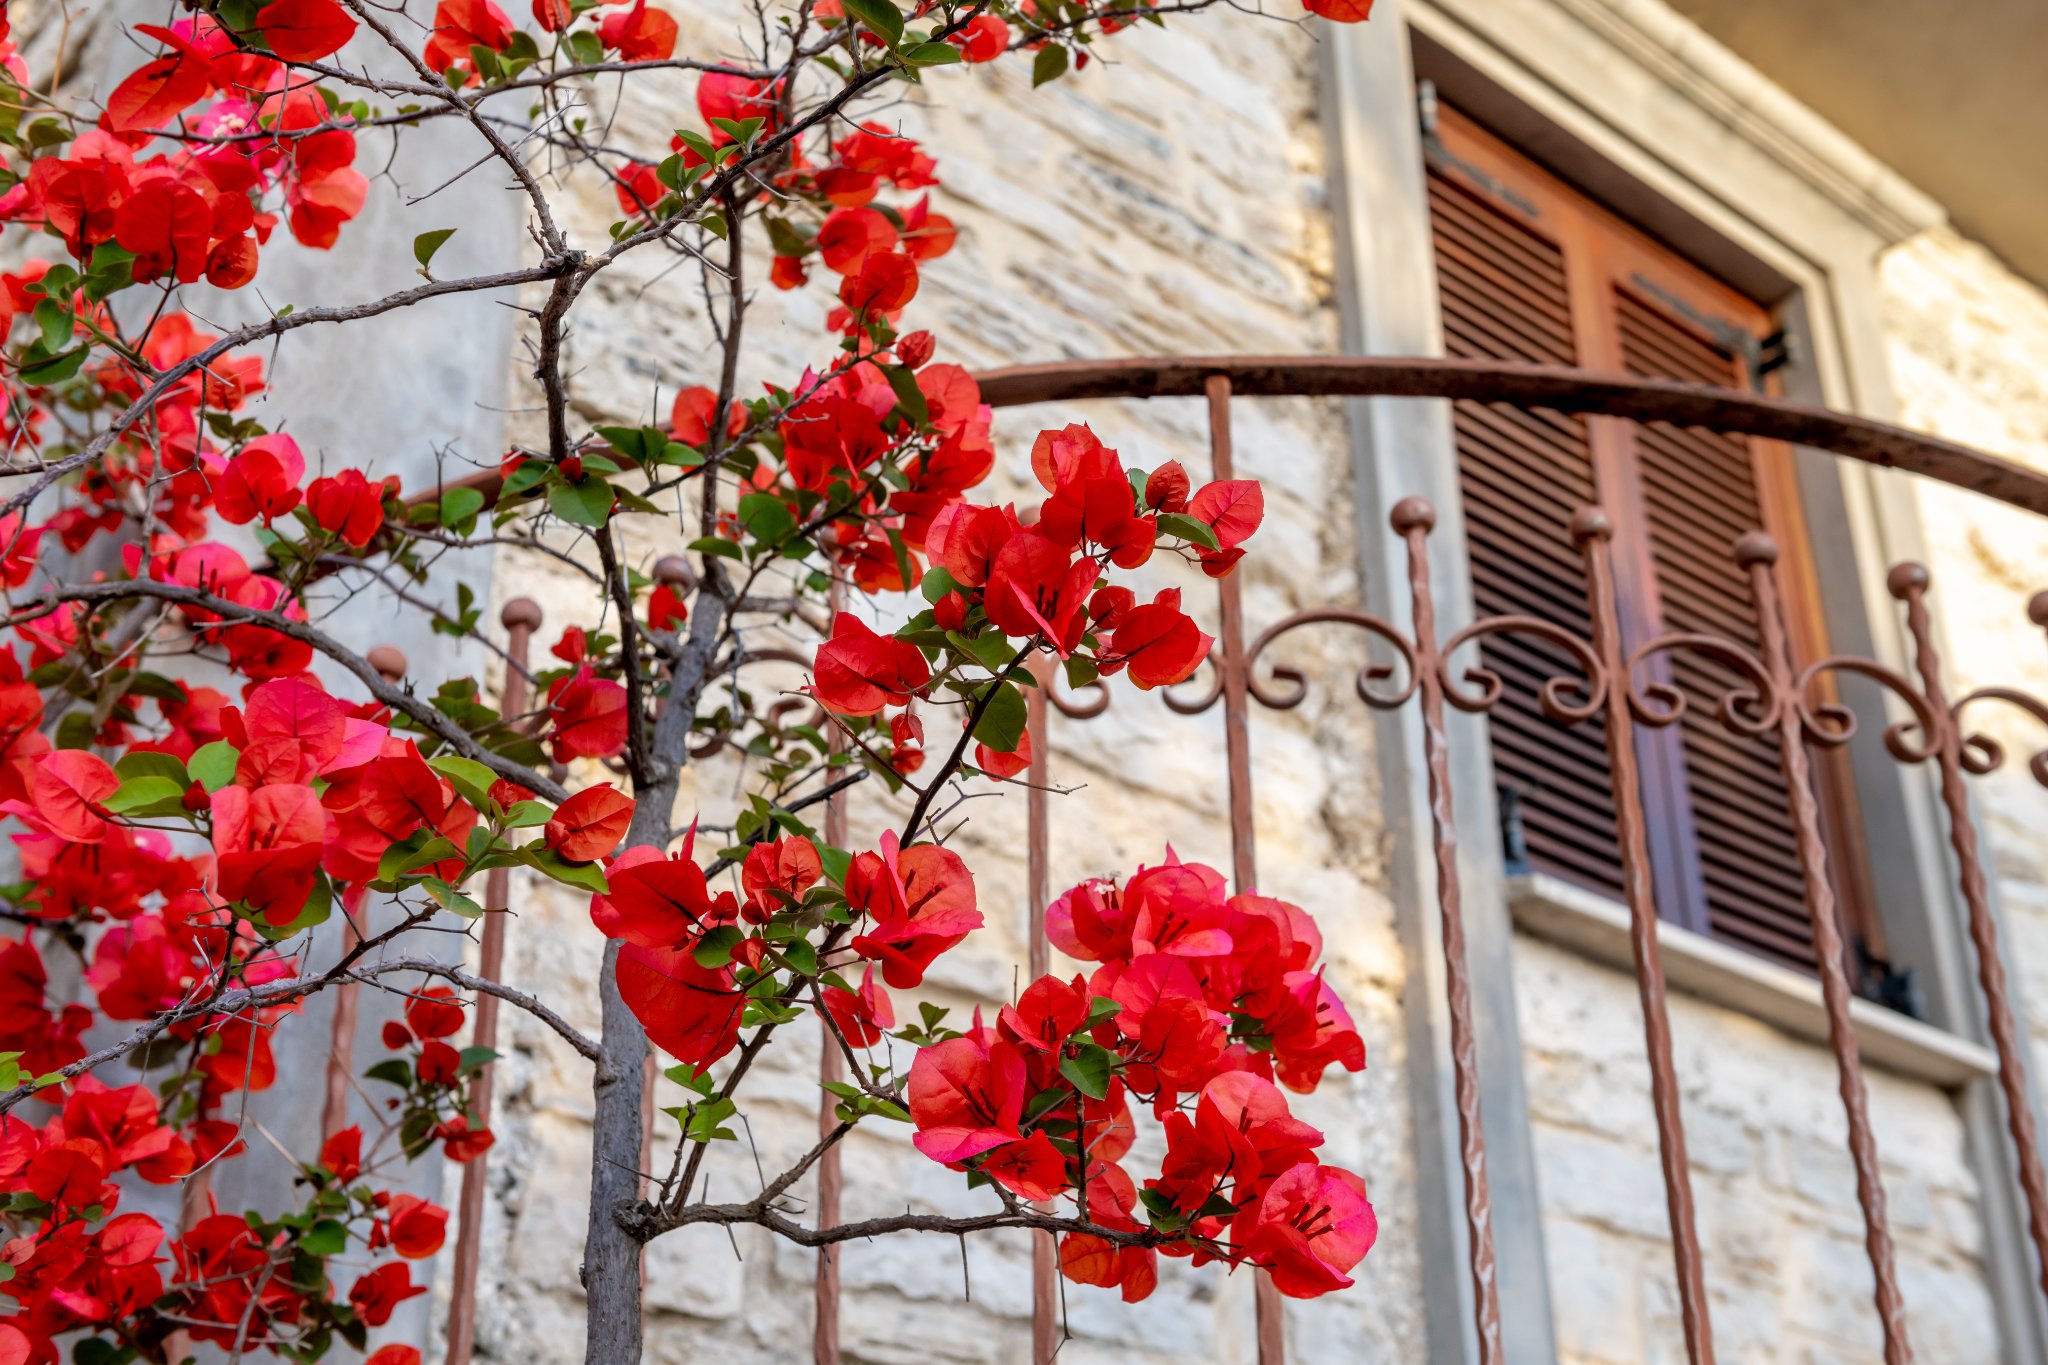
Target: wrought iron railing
(1773, 698)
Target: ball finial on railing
(2037, 609)
(389, 661)
(1411, 514)
(1591, 523)
(675, 571)
(1906, 579)
(1755, 547)
(520, 612)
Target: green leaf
(937, 582)
(472, 1059)
(715, 545)
(588, 876)
(145, 764)
(836, 862)
(213, 765)
(766, 517)
(54, 369)
(1101, 1009)
(448, 898)
(528, 815)
(1049, 65)
(319, 905)
(138, 795)
(582, 504)
(1088, 1070)
(471, 779)
(1188, 529)
(392, 1070)
(326, 1238)
(881, 16)
(76, 731)
(715, 949)
(427, 243)
(1001, 726)
(991, 650)
(459, 507)
(932, 54)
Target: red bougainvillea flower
(460, 1143)
(262, 481)
(323, 189)
(169, 227)
(884, 283)
(342, 1154)
(1167, 488)
(65, 790)
(589, 716)
(348, 505)
(858, 672)
(1099, 510)
(305, 30)
(659, 902)
(690, 419)
(377, 1295)
(639, 34)
(460, 25)
(1340, 11)
(1313, 1225)
(1046, 1015)
(1158, 642)
(690, 1011)
(590, 824)
(849, 236)
(1073, 452)
(920, 901)
(638, 188)
(666, 609)
(1035, 588)
(1031, 1169)
(159, 90)
(777, 873)
(966, 1096)
(397, 1353)
(863, 1015)
(434, 1013)
(267, 845)
(417, 1228)
(553, 15)
(984, 39)
(1000, 763)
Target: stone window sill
(1594, 926)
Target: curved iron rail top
(1532, 386)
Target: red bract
(262, 481)
(434, 1013)
(590, 824)
(589, 716)
(883, 283)
(1167, 489)
(377, 1295)
(305, 30)
(65, 792)
(1036, 588)
(1158, 642)
(858, 672)
(849, 236)
(984, 39)
(690, 1011)
(348, 505)
(659, 902)
(966, 1097)
(690, 419)
(640, 34)
(1046, 1015)
(417, 1228)
(921, 902)
(777, 873)
(1340, 11)
(342, 1154)
(1313, 1225)
(737, 99)
(169, 227)
(862, 1016)
(460, 25)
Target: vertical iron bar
(390, 663)
(831, 1070)
(1591, 532)
(1758, 554)
(1045, 1342)
(1908, 583)
(1269, 1312)
(1412, 520)
(521, 618)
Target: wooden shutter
(1522, 475)
(1530, 270)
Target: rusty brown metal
(1592, 532)
(390, 663)
(1268, 1312)
(1758, 554)
(831, 1070)
(1045, 1335)
(1908, 583)
(1558, 388)
(521, 618)
(1412, 520)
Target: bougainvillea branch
(203, 765)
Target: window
(1530, 270)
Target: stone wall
(1167, 199)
